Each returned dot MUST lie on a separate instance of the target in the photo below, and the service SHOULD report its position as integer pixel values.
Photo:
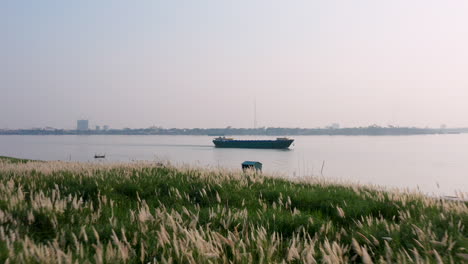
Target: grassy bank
(14, 160)
(53, 212)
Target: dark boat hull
(256, 144)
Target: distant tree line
(264, 131)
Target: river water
(434, 164)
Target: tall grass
(58, 212)
(14, 160)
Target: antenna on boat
(255, 112)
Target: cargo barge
(279, 143)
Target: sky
(190, 64)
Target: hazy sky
(202, 63)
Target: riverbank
(14, 160)
(54, 212)
(372, 130)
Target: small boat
(279, 143)
(96, 156)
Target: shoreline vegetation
(143, 212)
(373, 130)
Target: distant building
(106, 127)
(98, 128)
(82, 125)
(333, 126)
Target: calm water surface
(433, 163)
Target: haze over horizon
(193, 64)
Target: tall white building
(82, 125)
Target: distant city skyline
(85, 124)
(201, 64)
(333, 130)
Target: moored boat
(279, 143)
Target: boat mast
(255, 113)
